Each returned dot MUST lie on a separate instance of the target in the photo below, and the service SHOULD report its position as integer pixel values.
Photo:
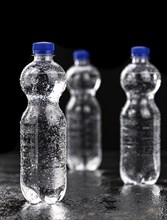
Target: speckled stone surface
(98, 195)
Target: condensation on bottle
(83, 114)
(140, 121)
(43, 128)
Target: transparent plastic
(43, 132)
(140, 123)
(83, 117)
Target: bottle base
(78, 165)
(50, 198)
(140, 183)
(55, 197)
(30, 195)
(139, 180)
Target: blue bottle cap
(43, 48)
(81, 55)
(140, 51)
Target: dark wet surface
(98, 195)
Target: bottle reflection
(83, 178)
(141, 201)
(43, 211)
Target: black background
(107, 33)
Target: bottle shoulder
(82, 69)
(44, 66)
(81, 78)
(140, 78)
(140, 68)
(43, 78)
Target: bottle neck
(43, 57)
(140, 59)
(81, 62)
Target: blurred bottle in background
(140, 121)
(83, 114)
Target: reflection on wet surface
(144, 201)
(98, 195)
(44, 211)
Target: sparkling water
(140, 121)
(43, 131)
(83, 115)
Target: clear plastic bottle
(43, 128)
(83, 115)
(140, 121)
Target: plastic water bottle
(43, 128)
(140, 121)
(83, 115)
